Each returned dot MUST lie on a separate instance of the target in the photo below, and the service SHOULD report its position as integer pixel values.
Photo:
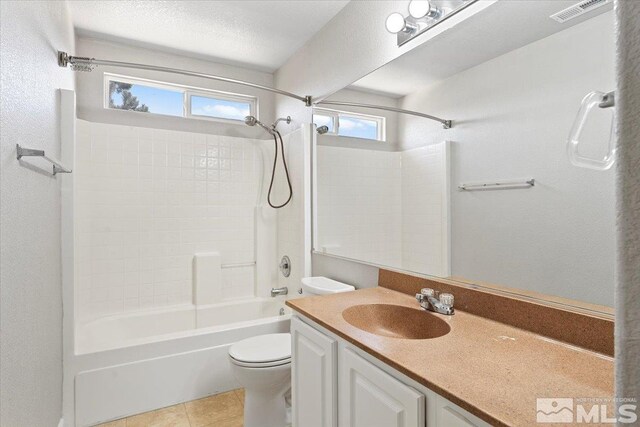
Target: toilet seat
(262, 351)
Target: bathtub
(132, 363)
(143, 327)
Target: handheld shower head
(322, 130)
(250, 121)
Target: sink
(396, 321)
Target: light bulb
(395, 23)
(421, 8)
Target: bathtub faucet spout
(279, 291)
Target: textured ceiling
(258, 34)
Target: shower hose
(276, 137)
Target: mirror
(400, 191)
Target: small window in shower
(352, 125)
(359, 127)
(221, 107)
(126, 95)
(169, 99)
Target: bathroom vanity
(336, 377)
(366, 358)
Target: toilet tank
(323, 286)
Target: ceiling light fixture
(425, 14)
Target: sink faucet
(428, 299)
(279, 291)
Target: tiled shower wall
(425, 205)
(388, 208)
(359, 203)
(147, 200)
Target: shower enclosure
(170, 253)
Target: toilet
(262, 365)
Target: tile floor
(220, 410)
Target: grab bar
(30, 152)
(239, 265)
(497, 184)
(589, 102)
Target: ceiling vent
(578, 9)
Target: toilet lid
(263, 348)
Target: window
(146, 96)
(217, 107)
(146, 99)
(353, 125)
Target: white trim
(186, 91)
(336, 114)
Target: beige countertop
(493, 370)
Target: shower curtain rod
(80, 63)
(445, 123)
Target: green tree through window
(129, 102)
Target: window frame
(186, 91)
(381, 121)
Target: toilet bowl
(262, 365)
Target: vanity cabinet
(335, 384)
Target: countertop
(493, 370)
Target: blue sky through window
(159, 101)
(357, 127)
(219, 108)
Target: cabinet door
(450, 415)
(369, 397)
(313, 377)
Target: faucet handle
(446, 299)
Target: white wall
(512, 116)
(148, 200)
(30, 260)
(91, 89)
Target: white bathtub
(154, 325)
(134, 363)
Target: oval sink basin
(396, 321)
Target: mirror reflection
(502, 198)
